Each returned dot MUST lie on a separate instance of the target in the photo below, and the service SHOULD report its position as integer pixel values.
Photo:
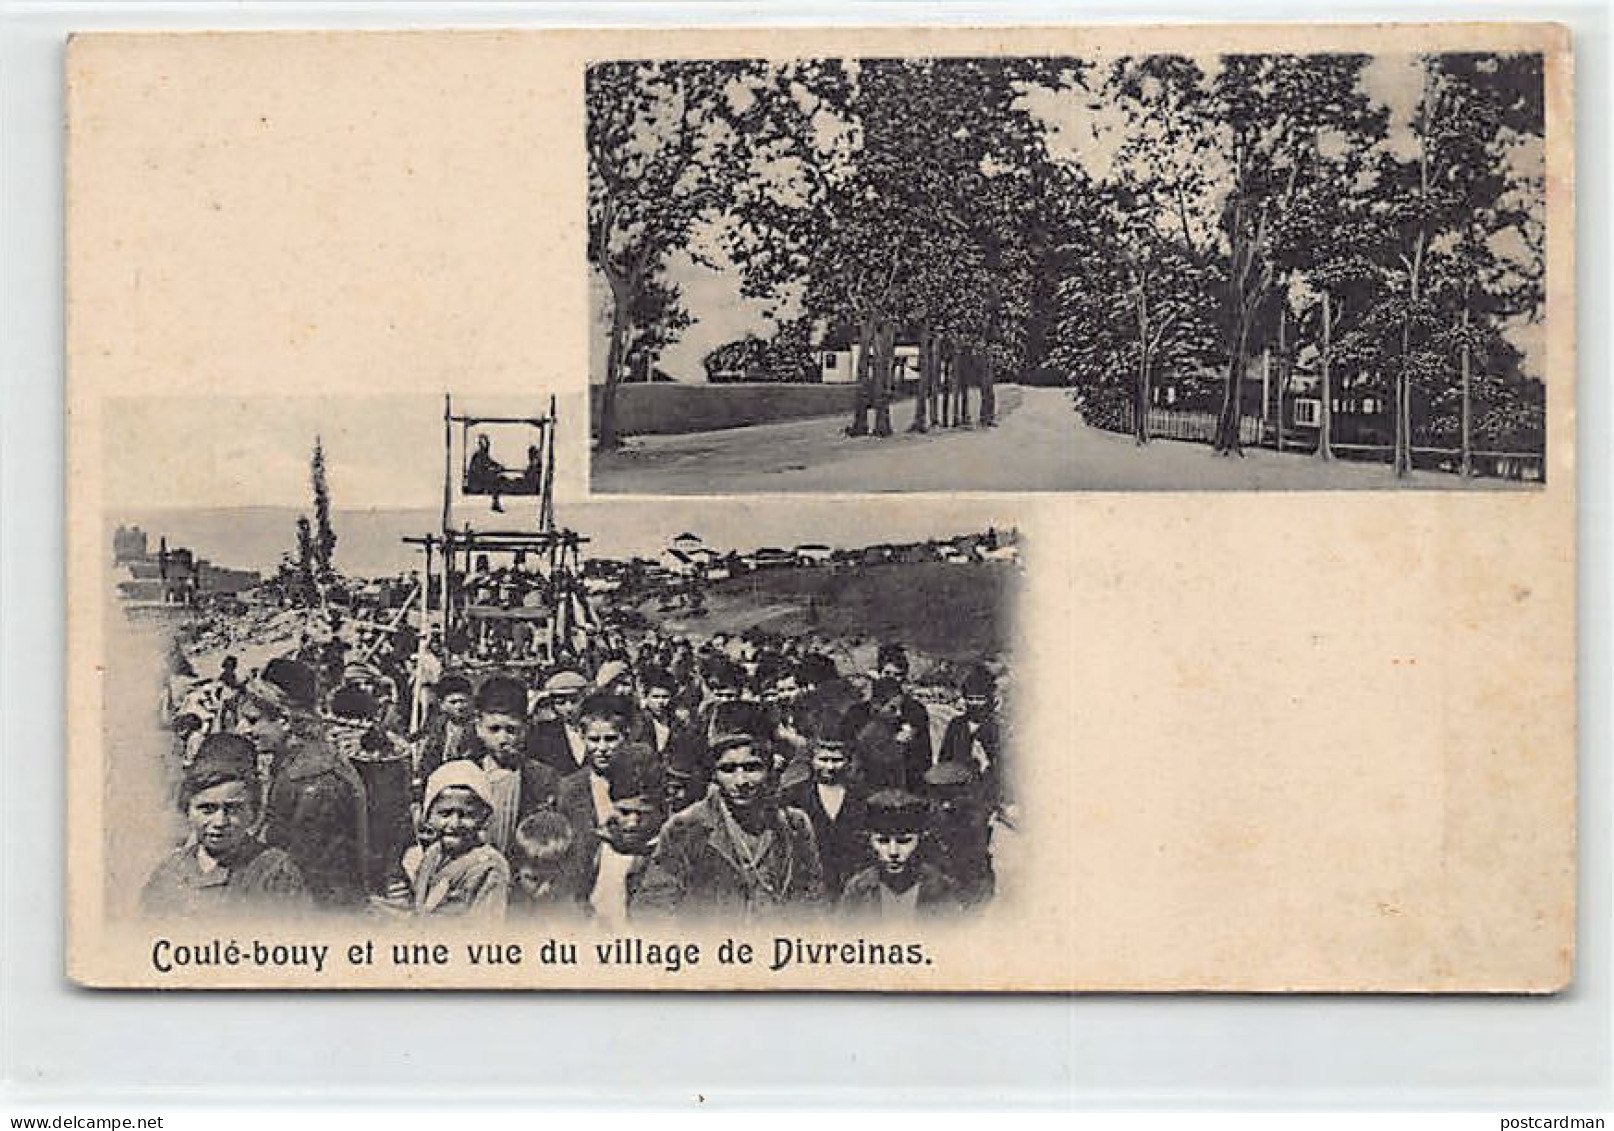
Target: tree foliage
(1250, 213)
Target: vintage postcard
(1010, 510)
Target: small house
(771, 557)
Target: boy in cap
(686, 772)
(975, 737)
(737, 852)
(900, 884)
(890, 754)
(223, 868)
(383, 765)
(315, 807)
(555, 738)
(892, 662)
(516, 783)
(656, 708)
(448, 731)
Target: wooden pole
(389, 626)
(417, 700)
(547, 520)
(448, 581)
(448, 461)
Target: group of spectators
(724, 778)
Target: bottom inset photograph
(389, 682)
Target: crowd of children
(722, 779)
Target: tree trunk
(927, 378)
(1283, 371)
(969, 365)
(865, 367)
(1140, 392)
(885, 351)
(621, 305)
(986, 375)
(1401, 444)
(1466, 466)
(1325, 411)
(1228, 441)
(1402, 455)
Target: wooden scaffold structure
(551, 627)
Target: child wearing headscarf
(458, 874)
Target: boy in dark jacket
(900, 884)
(834, 803)
(315, 808)
(738, 852)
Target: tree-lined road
(1040, 444)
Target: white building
(838, 366)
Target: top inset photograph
(1156, 272)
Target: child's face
(786, 689)
(894, 851)
(269, 731)
(680, 791)
(657, 700)
(505, 736)
(741, 773)
(565, 704)
(457, 706)
(456, 817)
(221, 816)
(601, 737)
(829, 763)
(537, 878)
(889, 709)
(635, 821)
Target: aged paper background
(1287, 741)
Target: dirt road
(1039, 444)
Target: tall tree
(1441, 202)
(1276, 114)
(324, 543)
(662, 138)
(899, 176)
(307, 568)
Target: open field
(949, 613)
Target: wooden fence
(1200, 427)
